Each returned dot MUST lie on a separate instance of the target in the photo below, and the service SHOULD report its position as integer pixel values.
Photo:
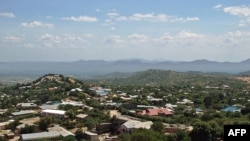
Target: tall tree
(201, 132)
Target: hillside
(89, 68)
(164, 77)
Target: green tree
(79, 134)
(44, 123)
(182, 135)
(12, 125)
(158, 127)
(27, 129)
(90, 123)
(71, 113)
(143, 135)
(208, 101)
(201, 132)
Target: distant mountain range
(89, 68)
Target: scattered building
(81, 116)
(55, 113)
(76, 90)
(4, 124)
(185, 101)
(23, 113)
(91, 136)
(135, 124)
(156, 112)
(100, 91)
(146, 107)
(26, 106)
(2, 111)
(103, 128)
(63, 132)
(150, 98)
(41, 135)
(231, 109)
(73, 103)
(170, 106)
(46, 106)
(19, 127)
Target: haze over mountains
(89, 68)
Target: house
(4, 124)
(170, 106)
(150, 98)
(40, 135)
(100, 91)
(26, 106)
(52, 88)
(63, 132)
(76, 90)
(46, 106)
(156, 112)
(54, 113)
(185, 101)
(81, 117)
(19, 127)
(231, 109)
(23, 113)
(2, 111)
(91, 136)
(199, 111)
(135, 124)
(146, 107)
(73, 103)
(103, 128)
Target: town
(169, 106)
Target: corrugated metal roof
(41, 135)
(59, 112)
(24, 112)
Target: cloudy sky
(70, 30)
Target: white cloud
(238, 11)
(52, 38)
(12, 39)
(28, 45)
(81, 19)
(37, 24)
(140, 17)
(8, 15)
(192, 19)
(187, 34)
(242, 12)
(121, 18)
(112, 14)
(156, 18)
(114, 39)
(138, 38)
(217, 6)
(108, 22)
(64, 40)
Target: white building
(55, 113)
(135, 124)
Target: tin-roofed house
(39, 136)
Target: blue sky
(179, 30)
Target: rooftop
(41, 135)
(61, 130)
(23, 112)
(59, 112)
